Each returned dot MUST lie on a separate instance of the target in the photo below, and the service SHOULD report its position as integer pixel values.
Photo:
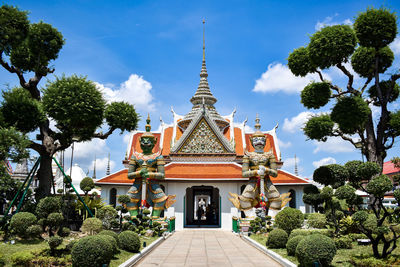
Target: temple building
(203, 152)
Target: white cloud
(296, 123)
(324, 161)
(135, 91)
(101, 164)
(83, 150)
(289, 164)
(126, 138)
(283, 144)
(279, 78)
(395, 46)
(334, 145)
(329, 21)
(247, 128)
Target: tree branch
(37, 147)
(366, 84)
(338, 133)
(349, 75)
(13, 69)
(391, 143)
(105, 135)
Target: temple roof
(389, 168)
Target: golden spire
(148, 128)
(257, 126)
(204, 40)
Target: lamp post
(359, 145)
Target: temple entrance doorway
(202, 207)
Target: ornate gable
(202, 140)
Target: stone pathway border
(285, 262)
(137, 257)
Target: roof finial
(94, 167)
(296, 171)
(108, 171)
(148, 126)
(257, 126)
(204, 40)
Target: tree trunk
(375, 244)
(45, 176)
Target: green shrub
(110, 240)
(344, 242)
(354, 237)
(20, 223)
(306, 232)
(86, 184)
(315, 248)
(292, 243)
(92, 226)
(129, 241)
(316, 220)
(289, 219)
(70, 245)
(2, 260)
(48, 205)
(64, 232)
(34, 231)
(21, 258)
(325, 232)
(107, 215)
(369, 262)
(55, 219)
(54, 242)
(110, 233)
(91, 251)
(301, 232)
(277, 238)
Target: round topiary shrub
(110, 240)
(20, 222)
(277, 238)
(91, 251)
(316, 220)
(129, 241)
(92, 226)
(315, 248)
(289, 219)
(34, 231)
(297, 232)
(344, 242)
(54, 242)
(292, 243)
(110, 233)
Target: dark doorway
(202, 207)
(113, 197)
(292, 202)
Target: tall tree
(75, 104)
(365, 46)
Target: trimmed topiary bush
(315, 248)
(91, 251)
(292, 243)
(54, 242)
(92, 226)
(20, 223)
(277, 238)
(316, 220)
(108, 215)
(299, 232)
(34, 231)
(344, 242)
(110, 240)
(129, 241)
(289, 219)
(306, 232)
(110, 233)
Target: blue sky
(149, 53)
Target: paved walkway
(206, 248)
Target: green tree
(365, 45)
(74, 103)
(86, 185)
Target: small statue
(146, 169)
(257, 166)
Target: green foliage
(55, 219)
(124, 199)
(110, 233)
(316, 220)
(315, 248)
(42, 45)
(326, 193)
(92, 226)
(352, 169)
(129, 241)
(394, 123)
(64, 231)
(34, 231)
(13, 144)
(312, 196)
(21, 258)
(289, 219)
(376, 27)
(2, 260)
(92, 251)
(360, 216)
(277, 238)
(367, 170)
(54, 242)
(299, 62)
(350, 113)
(348, 225)
(108, 215)
(48, 205)
(306, 232)
(363, 60)
(14, 26)
(121, 115)
(20, 222)
(343, 242)
(111, 240)
(319, 127)
(354, 237)
(364, 261)
(75, 104)
(396, 194)
(316, 95)
(346, 192)
(292, 243)
(386, 87)
(19, 101)
(332, 45)
(86, 184)
(332, 174)
(379, 186)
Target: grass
(342, 257)
(36, 245)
